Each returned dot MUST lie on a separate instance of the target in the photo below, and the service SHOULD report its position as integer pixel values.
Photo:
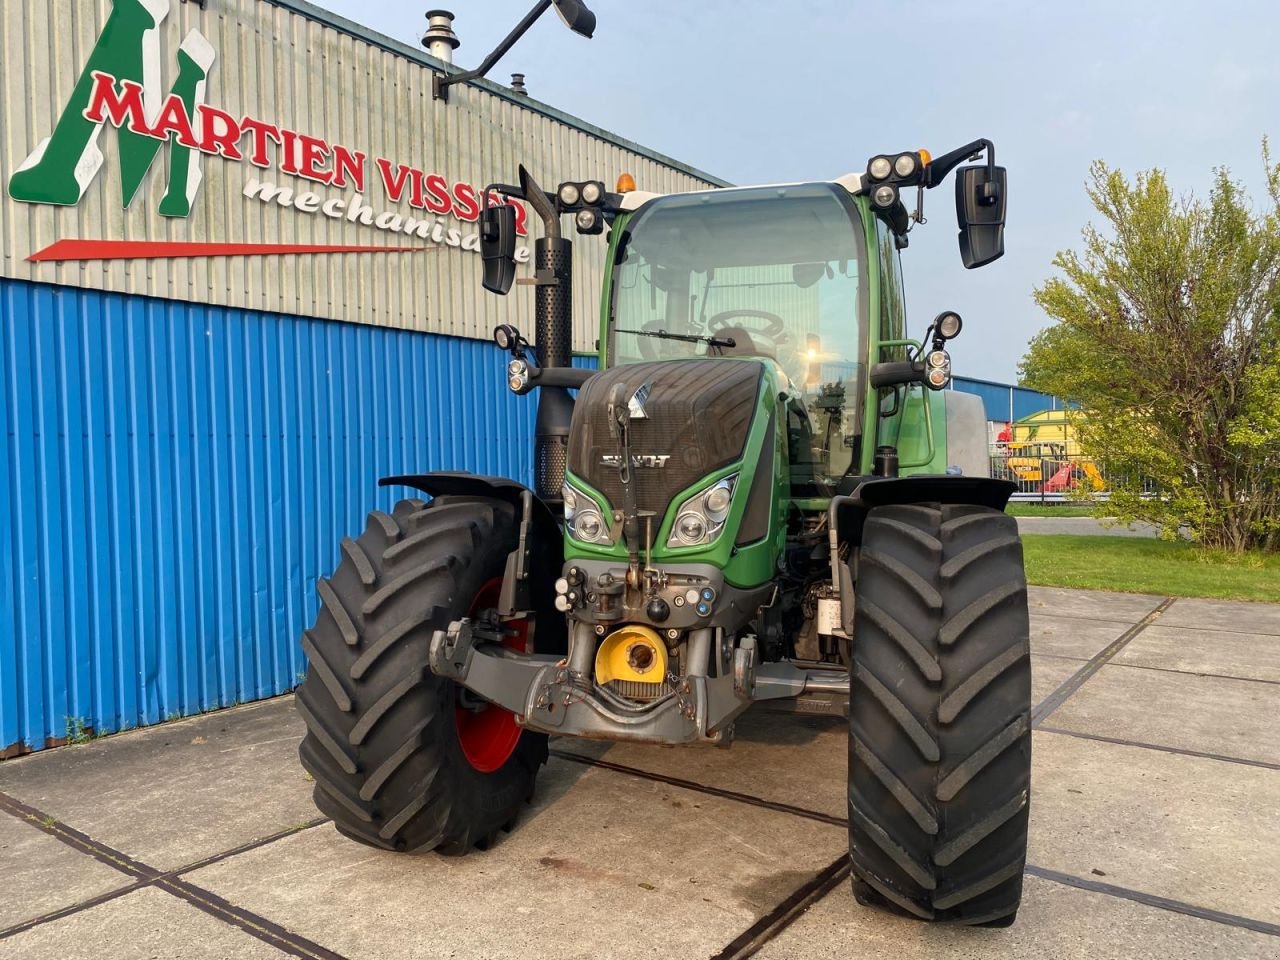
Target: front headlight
(584, 517)
(701, 518)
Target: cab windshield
(763, 272)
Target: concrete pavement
(1155, 817)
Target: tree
(1166, 336)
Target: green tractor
(763, 493)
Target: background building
(239, 283)
(214, 346)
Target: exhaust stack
(553, 334)
(440, 40)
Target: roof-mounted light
(569, 194)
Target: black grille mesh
(550, 467)
(698, 413)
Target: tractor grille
(698, 413)
(639, 690)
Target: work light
(588, 220)
(948, 325)
(569, 194)
(506, 336)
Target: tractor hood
(689, 419)
(692, 423)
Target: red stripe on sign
(158, 249)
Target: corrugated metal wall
(1004, 401)
(363, 91)
(175, 477)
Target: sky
(758, 92)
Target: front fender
(539, 556)
(849, 512)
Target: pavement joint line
(97, 901)
(258, 927)
(1044, 873)
(246, 847)
(1067, 616)
(1153, 900)
(251, 923)
(1194, 673)
(750, 941)
(71, 910)
(1094, 664)
(747, 798)
(1179, 751)
(1238, 633)
(77, 840)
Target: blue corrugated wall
(174, 478)
(1005, 402)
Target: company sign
(120, 86)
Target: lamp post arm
(440, 82)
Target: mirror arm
(941, 166)
(506, 189)
(893, 373)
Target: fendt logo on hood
(120, 84)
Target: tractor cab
(775, 274)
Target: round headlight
(937, 358)
(938, 376)
(586, 219)
(879, 168)
(884, 196)
(569, 194)
(592, 192)
(690, 528)
(587, 525)
(504, 336)
(949, 325)
(718, 500)
(905, 165)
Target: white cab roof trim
(632, 201)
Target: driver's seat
(744, 344)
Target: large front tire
(940, 731)
(400, 760)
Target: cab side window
(893, 304)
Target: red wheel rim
(488, 736)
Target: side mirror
(980, 200)
(498, 247)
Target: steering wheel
(774, 331)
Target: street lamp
(575, 14)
